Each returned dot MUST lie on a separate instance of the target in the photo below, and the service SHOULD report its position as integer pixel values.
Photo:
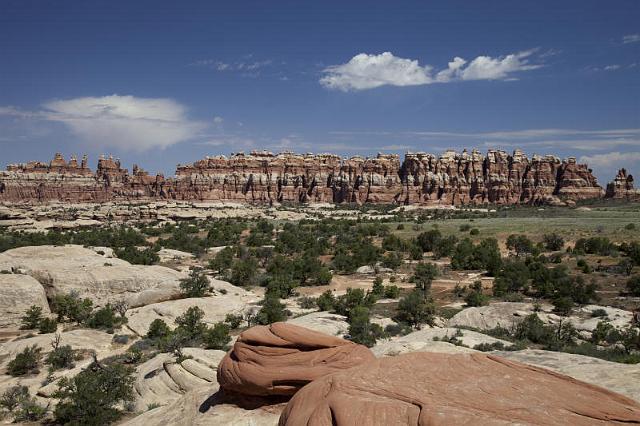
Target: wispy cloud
(125, 122)
(246, 67)
(631, 38)
(607, 164)
(368, 71)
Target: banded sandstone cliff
(263, 177)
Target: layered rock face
(622, 187)
(442, 389)
(265, 178)
(281, 358)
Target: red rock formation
(622, 187)
(454, 389)
(281, 358)
(263, 177)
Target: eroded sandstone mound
(263, 177)
(281, 358)
(444, 389)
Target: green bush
(61, 357)
(190, 323)
(424, 274)
(48, 325)
(272, 311)
(93, 397)
(326, 301)
(196, 285)
(361, 330)
(391, 292)
(416, 309)
(31, 318)
(216, 337)
(17, 402)
(158, 329)
(26, 362)
(104, 318)
(71, 307)
(234, 320)
(223, 260)
(553, 242)
(633, 285)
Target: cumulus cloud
(631, 38)
(124, 122)
(366, 71)
(607, 164)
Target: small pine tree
(196, 285)
(31, 318)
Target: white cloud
(631, 38)
(607, 164)
(124, 122)
(501, 68)
(612, 67)
(218, 120)
(365, 71)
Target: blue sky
(160, 83)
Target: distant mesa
(262, 177)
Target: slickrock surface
(617, 377)
(264, 177)
(161, 380)
(423, 341)
(205, 406)
(17, 294)
(215, 309)
(281, 358)
(444, 389)
(62, 269)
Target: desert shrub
(146, 256)
(361, 330)
(195, 285)
(216, 337)
(485, 255)
(630, 226)
(233, 320)
(444, 246)
(594, 245)
(244, 272)
(416, 309)
(464, 227)
(598, 313)
(307, 302)
(61, 357)
(93, 397)
(47, 325)
(512, 277)
(271, 311)
(72, 308)
(392, 260)
(633, 285)
(31, 318)
(104, 318)
(378, 288)
(26, 362)
(391, 292)
(326, 301)
(17, 402)
(474, 296)
(533, 329)
(428, 239)
(553, 242)
(223, 260)
(354, 297)
(415, 252)
(520, 244)
(190, 323)
(424, 274)
(474, 232)
(158, 329)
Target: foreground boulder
(17, 294)
(62, 269)
(281, 358)
(438, 389)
